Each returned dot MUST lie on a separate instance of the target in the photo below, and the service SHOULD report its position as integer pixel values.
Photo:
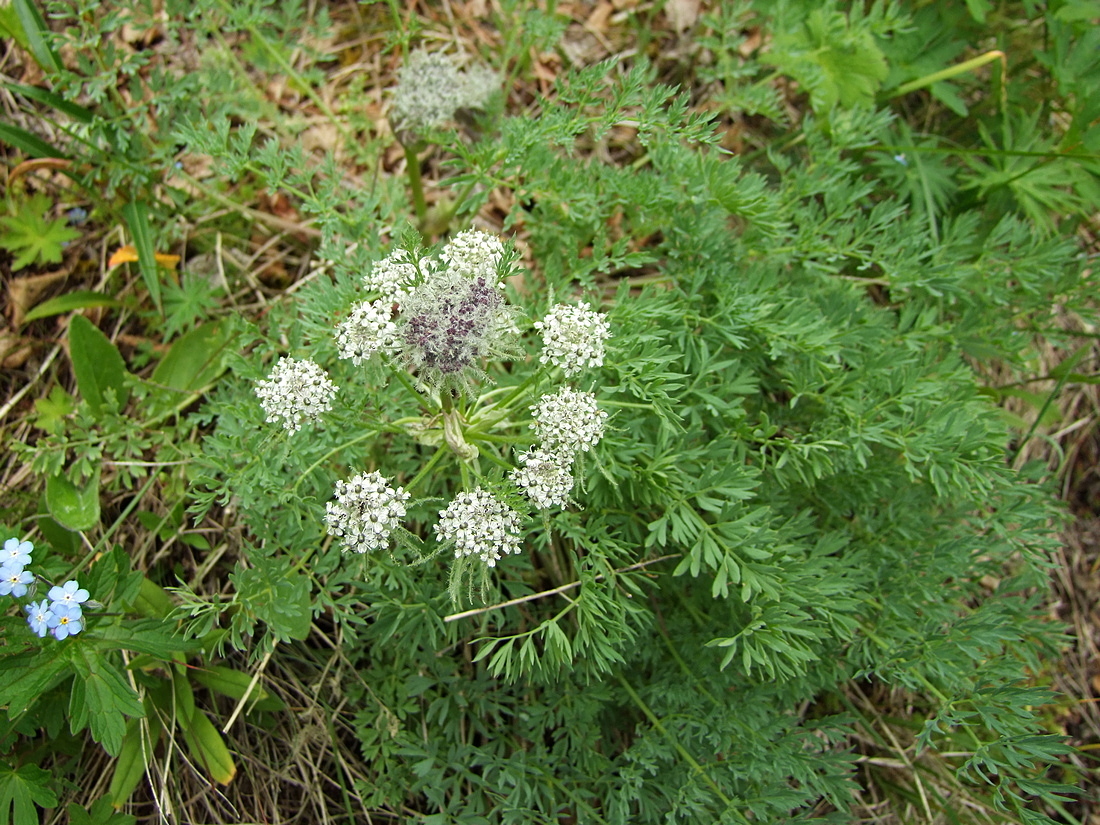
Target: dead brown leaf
(597, 21)
(25, 293)
(753, 40)
(14, 350)
(682, 14)
(322, 136)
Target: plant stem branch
(687, 757)
(412, 167)
(248, 691)
(477, 611)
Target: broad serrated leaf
(153, 600)
(101, 699)
(31, 237)
(153, 636)
(22, 791)
(30, 674)
(836, 61)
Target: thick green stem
(479, 425)
(402, 376)
(949, 72)
(427, 468)
(412, 168)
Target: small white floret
(297, 391)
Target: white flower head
(366, 511)
(430, 88)
(546, 477)
(295, 392)
(367, 330)
(474, 254)
(427, 93)
(568, 420)
(395, 276)
(573, 337)
(478, 83)
(480, 525)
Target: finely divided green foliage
(802, 486)
(819, 465)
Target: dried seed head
(430, 88)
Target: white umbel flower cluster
(366, 511)
(394, 276)
(473, 254)
(546, 477)
(480, 525)
(367, 330)
(573, 337)
(568, 420)
(295, 392)
(430, 88)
